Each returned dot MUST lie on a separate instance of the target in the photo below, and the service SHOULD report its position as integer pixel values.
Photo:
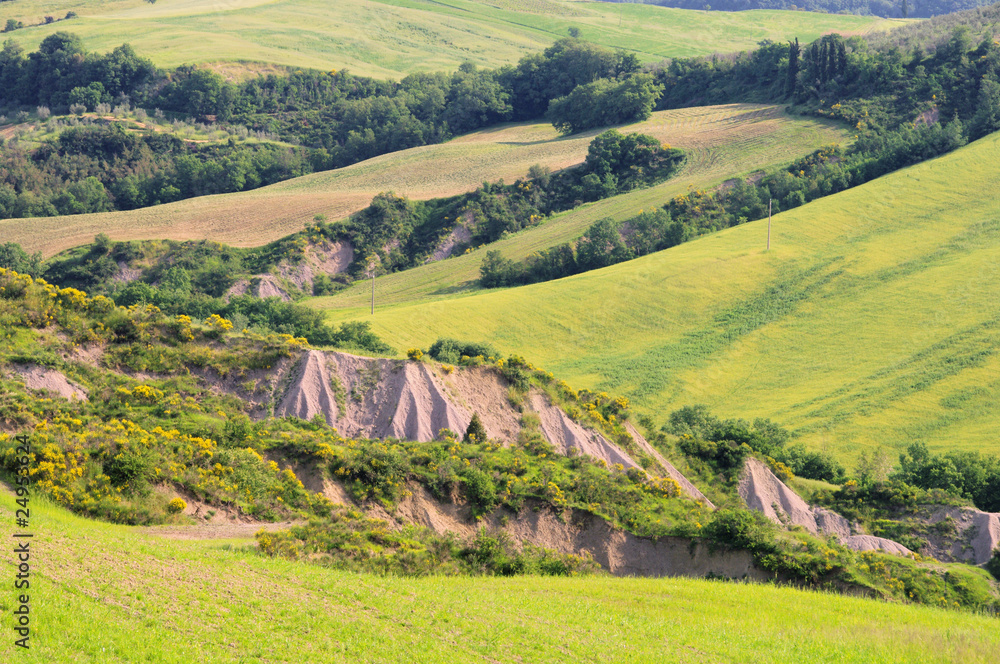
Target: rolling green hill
(720, 140)
(873, 321)
(108, 593)
(390, 38)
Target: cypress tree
(476, 433)
(793, 65)
(815, 63)
(831, 60)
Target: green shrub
(741, 529)
(451, 351)
(130, 469)
(993, 565)
(515, 370)
(723, 456)
(237, 431)
(480, 490)
(376, 470)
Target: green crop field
(873, 321)
(107, 593)
(720, 140)
(390, 38)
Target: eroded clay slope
(618, 551)
(366, 397)
(36, 377)
(564, 434)
(962, 534)
(311, 392)
(873, 543)
(761, 490)
(394, 398)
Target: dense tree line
(885, 8)
(102, 168)
(48, 76)
(342, 118)
(874, 88)
(351, 117)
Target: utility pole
(768, 244)
(373, 289)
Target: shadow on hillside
(458, 288)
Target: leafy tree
(605, 102)
(89, 96)
(13, 257)
(987, 117)
(601, 246)
(201, 92)
(476, 99)
(496, 271)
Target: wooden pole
(768, 228)
(373, 292)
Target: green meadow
(108, 593)
(391, 38)
(872, 322)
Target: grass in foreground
(116, 594)
(719, 141)
(873, 320)
(391, 38)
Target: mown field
(873, 321)
(107, 593)
(721, 140)
(390, 38)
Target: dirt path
(215, 531)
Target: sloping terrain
(391, 38)
(720, 140)
(872, 322)
(118, 594)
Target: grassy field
(106, 593)
(721, 140)
(390, 38)
(873, 321)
